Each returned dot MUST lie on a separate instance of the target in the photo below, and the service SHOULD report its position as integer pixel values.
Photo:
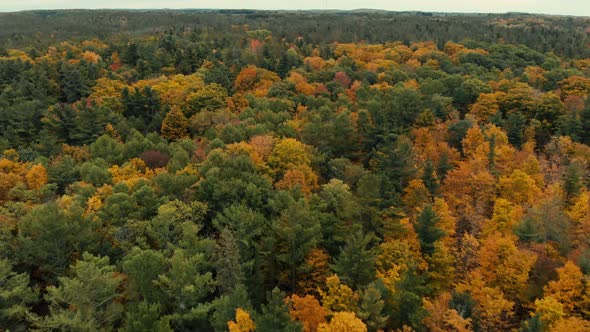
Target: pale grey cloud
(564, 7)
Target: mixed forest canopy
(294, 171)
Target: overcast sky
(564, 7)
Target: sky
(560, 7)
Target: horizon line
(297, 10)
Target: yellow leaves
(504, 218)
(90, 57)
(16, 55)
(108, 92)
(446, 220)
(343, 322)
(338, 297)
(131, 172)
(549, 310)
(568, 288)
(243, 322)
(484, 107)
(416, 195)
(475, 144)
(36, 177)
(574, 86)
(289, 152)
(308, 311)
(580, 215)
(518, 188)
(572, 324)
(175, 124)
(442, 318)
(390, 277)
(492, 310)
(173, 90)
(503, 265)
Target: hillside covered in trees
(304, 171)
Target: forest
(310, 171)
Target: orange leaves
(256, 80)
(36, 177)
(308, 311)
(301, 176)
(316, 63)
(301, 84)
(442, 318)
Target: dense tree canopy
(260, 171)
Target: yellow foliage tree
(338, 297)
(518, 188)
(343, 322)
(243, 322)
(568, 289)
(175, 124)
(441, 318)
(549, 310)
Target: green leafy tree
(355, 264)
(427, 229)
(87, 301)
(16, 297)
(371, 308)
(274, 315)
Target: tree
(88, 300)
(568, 288)
(36, 177)
(175, 124)
(371, 308)
(343, 322)
(228, 262)
(142, 268)
(16, 297)
(187, 284)
(338, 297)
(145, 317)
(428, 230)
(37, 234)
(308, 311)
(356, 261)
(274, 315)
(296, 233)
(243, 322)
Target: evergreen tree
(274, 315)
(371, 309)
(355, 264)
(429, 177)
(86, 301)
(228, 265)
(16, 297)
(428, 230)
